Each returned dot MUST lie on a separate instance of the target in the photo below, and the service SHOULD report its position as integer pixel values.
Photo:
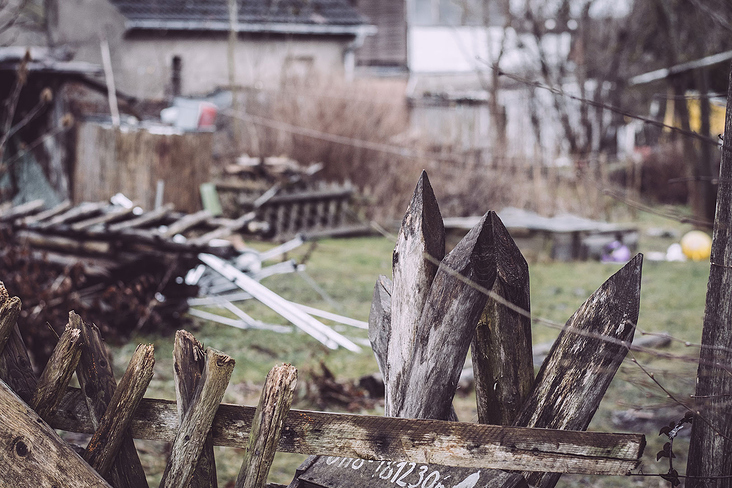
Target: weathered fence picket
(269, 419)
(188, 363)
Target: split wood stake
(188, 364)
(501, 349)
(584, 359)
(447, 325)
(32, 455)
(422, 232)
(58, 372)
(197, 420)
(97, 382)
(105, 443)
(269, 419)
(15, 365)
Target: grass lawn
(672, 300)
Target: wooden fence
(421, 327)
(132, 160)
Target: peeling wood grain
(269, 418)
(584, 359)
(501, 348)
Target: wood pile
(120, 266)
(288, 197)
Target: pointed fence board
(422, 233)
(584, 359)
(98, 385)
(104, 445)
(501, 349)
(373, 437)
(32, 455)
(58, 372)
(447, 324)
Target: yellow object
(696, 245)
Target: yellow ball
(696, 245)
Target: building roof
(286, 16)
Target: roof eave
(265, 27)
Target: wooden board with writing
(331, 471)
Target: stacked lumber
(285, 194)
(119, 265)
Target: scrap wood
(303, 321)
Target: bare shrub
(360, 131)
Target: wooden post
(583, 360)
(104, 445)
(501, 348)
(98, 386)
(274, 405)
(58, 372)
(15, 367)
(197, 420)
(422, 232)
(32, 454)
(447, 325)
(711, 431)
(189, 359)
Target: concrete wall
(142, 62)
(145, 66)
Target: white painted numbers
(403, 474)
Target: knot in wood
(20, 447)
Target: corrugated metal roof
(199, 13)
